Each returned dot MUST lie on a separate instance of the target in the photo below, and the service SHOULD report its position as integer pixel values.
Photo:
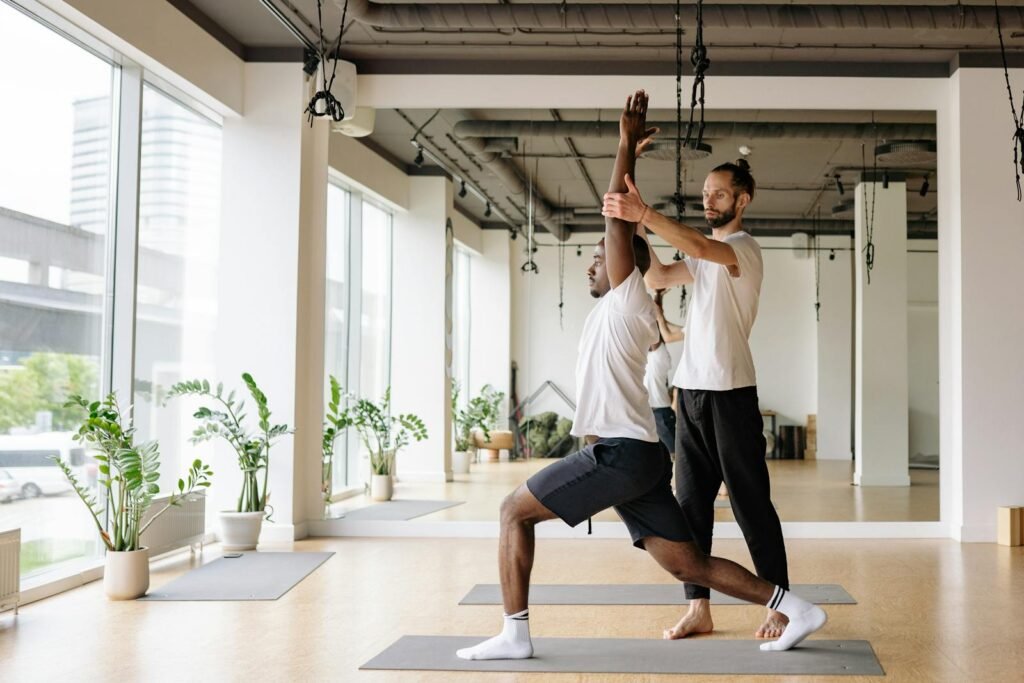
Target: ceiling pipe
(470, 129)
(782, 225)
(507, 174)
(609, 16)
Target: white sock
(804, 619)
(512, 643)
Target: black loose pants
(719, 437)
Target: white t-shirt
(611, 400)
(716, 355)
(658, 377)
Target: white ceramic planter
(460, 462)
(126, 574)
(381, 487)
(240, 530)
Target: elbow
(653, 278)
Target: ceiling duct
(843, 208)
(665, 150)
(618, 17)
(505, 171)
(906, 152)
(713, 129)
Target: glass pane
(336, 327)
(374, 361)
(176, 311)
(55, 208)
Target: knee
(511, 510)
(689, 567)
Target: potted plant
(489, 437)
(240, 528)
(335, 422)
(128, 475)
(476, 415)
(383, 435)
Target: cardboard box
(1010, 526)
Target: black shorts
(630, 475)
(665, 421)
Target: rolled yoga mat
(641, 594)
(639, 656)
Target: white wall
(419, 373)
(983, 281)
(923, 345)
(491, 313)
(268, 157)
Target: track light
(512, 234)
(885, 180)
(462, 192)
(924, 187)
(487, 211)
(579, 250)
(419, 157)
(839, 185)
(677, 256)
(832, 255)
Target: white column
(981, 317)
(420, 379)
(835, 349)
(881, 388)
(270, 311)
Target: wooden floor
(933, 610)
(802, 490)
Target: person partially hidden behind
(623, 465)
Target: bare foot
(773, 626)
(722, 491)
(696, 620)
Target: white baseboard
(978, 533)
(557, 529)
(896, 480)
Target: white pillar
(881, 387)
(270, 314)
(491, 304)
(420, 360)
(981, 317)
(835, 349)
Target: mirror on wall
(824, 342)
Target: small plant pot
(126, 574)
(381, 487)
(460, 462)
(240, 530)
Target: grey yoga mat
(640, 656)
(398, 510)
(253, 576)
(640, 594)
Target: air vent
(665, 150)
(906, 152)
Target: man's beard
(722, 218)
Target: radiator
(10, 571)
(180, 526)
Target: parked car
(10, 488)
(31, 461)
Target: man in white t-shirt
(623, 465)
(718, 421)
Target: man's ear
(743, 201)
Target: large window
(357, 347)
(176, 300)
(57, 127)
